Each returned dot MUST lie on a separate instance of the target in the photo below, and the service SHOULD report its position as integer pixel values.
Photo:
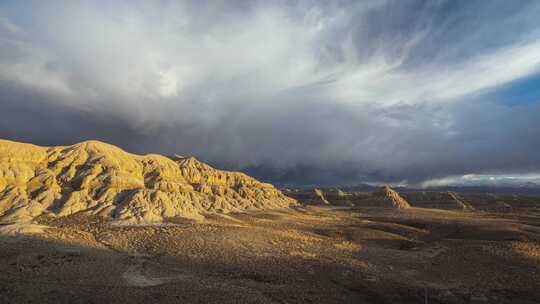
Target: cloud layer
(302, 92)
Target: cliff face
(101, 179)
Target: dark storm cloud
(31, 115)
(302, 92)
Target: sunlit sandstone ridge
(100, 179)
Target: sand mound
(100, 179)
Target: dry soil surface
(300, 255)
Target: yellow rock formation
(100, 179)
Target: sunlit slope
(101, 179)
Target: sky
(301, 92)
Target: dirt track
(314, 254)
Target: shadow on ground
(309, 255)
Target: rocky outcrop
(319, 197)
(447, 200)
(100, 179)
(386, 197)
(459, 202)
(313, 196)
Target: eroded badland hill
(100, 179)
